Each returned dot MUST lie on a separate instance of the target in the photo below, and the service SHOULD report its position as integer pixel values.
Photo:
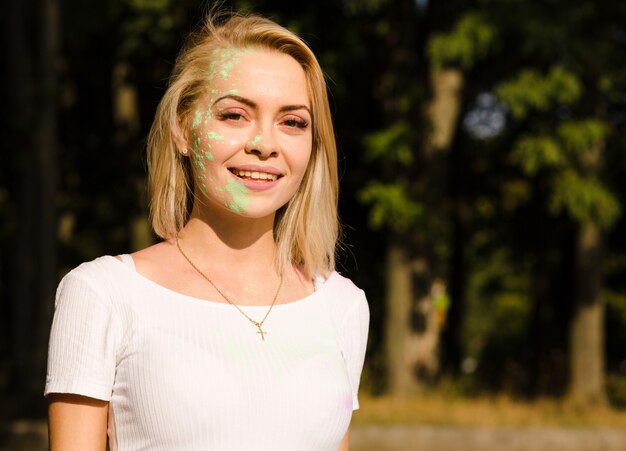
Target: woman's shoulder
(94, 269)
(342, 285)
(343, 295)
(99, 275)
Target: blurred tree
(557, 98)
(512, 217)
(462, 37)
(391, 194)
(421, 94)
(32, 100)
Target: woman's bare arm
(77, 423)
(344, 445)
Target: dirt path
(432, 438)
(31, 436)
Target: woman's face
(251, 136)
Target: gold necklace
(257, 324)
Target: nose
(263, 144)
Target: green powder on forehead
(226, 67)
(239, 195)
(224, 59)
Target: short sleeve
(84, 338)
(354, 342)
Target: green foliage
(497, 296)
(569, 152)
(612, 84)
(514, 193)
(391, 145)
(391, 206)
(534, 153)
(151, 22)
(511, 315)
(530, 91)
(579, 138)
(469, 42)
(584, 199)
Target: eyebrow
(251, 104)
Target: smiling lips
(256, 177)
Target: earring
(184, 151)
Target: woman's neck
(230, 240)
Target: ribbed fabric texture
(181, 373)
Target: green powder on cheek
(197, 157)
(214, 136)
(202, 186)
(239, 195)
(197, 119)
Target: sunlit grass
(435, 409)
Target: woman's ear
(180, 140)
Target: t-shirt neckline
(138, 276)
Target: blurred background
(482, 154)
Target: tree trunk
(412, 325)
(443, 113)
(452, 339)
(399, 298)
(587, 325)
(21, 280)
(127, 127)
(47, 170)
(444, 108)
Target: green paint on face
(208, 155)
(224, 60)
(197, 157)
(239, 194)
(202, 186)
(197, 119)
(256, 140)
(226, 67)
(215, 136)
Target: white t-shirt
(182, 373)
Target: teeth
(256, 175)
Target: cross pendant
(261, 332)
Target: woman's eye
(296, 123)
(230, 116)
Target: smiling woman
(235, 332)
(250, 150)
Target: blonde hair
(306, 229)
